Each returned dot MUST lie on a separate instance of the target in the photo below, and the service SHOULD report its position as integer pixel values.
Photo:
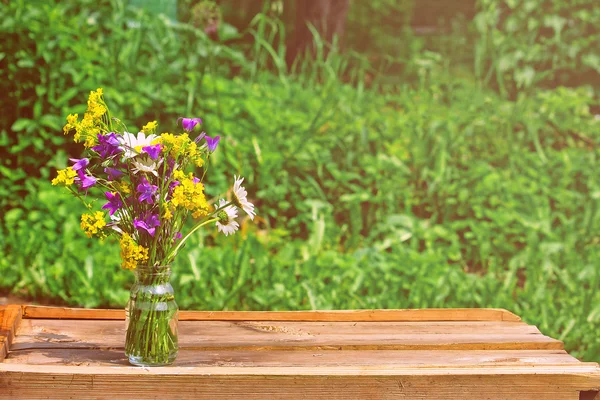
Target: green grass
(436, 192)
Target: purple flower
(212, 143)
(195, 180)
(148, 224)
(113, 173)
(108, 145)
(189, 123)
(85, 181)
(114, 202)
(146, 191)
(177, 236)
(79, 163)
(152, 151)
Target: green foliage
(537, 42)
(438, 193)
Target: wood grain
(433, 314)
(307, 359)
(258, 336)
(523, 383)
(10, 317)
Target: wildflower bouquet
(150, 191)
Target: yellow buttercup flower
(92, 224)
(65, 177)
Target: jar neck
(152, 275)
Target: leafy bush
(537, 42)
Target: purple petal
(85, 181)
(114, 202)
(146, 191)
(108, 145)
(113, 173)
(152, 151)
(212, 143)
(189, 124)
(79, 163)
(142, 225)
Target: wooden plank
(440, 314)
(207, 335)
(306, 359)
(495, 382)
(10, 317)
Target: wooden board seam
(440, 314)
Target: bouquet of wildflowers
(150, 189)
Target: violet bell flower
(146, 191)
(189, 124)
(108, 145)
(79, 163)
(212, 143)
(148, 224)
(153, 151)
(85, 181)
(113, 173)
(114, 202)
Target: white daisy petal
(240, 197)
(227, 223)
(146, 164)
(130, 141)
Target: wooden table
(63, 353)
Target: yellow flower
(177, 145)
(71, 123)
(150, 127)
(168, 214)
(123, 187)
(65, 177)
(86, 128)
(189, 195)
(92, 224)
(90, 141)
(132, 254)
(96, 106)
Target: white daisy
(239, 197)
(227, 216)
(132, 145)
(146, 164)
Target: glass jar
(151, 318)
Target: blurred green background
(436, 155)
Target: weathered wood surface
(62, 353)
